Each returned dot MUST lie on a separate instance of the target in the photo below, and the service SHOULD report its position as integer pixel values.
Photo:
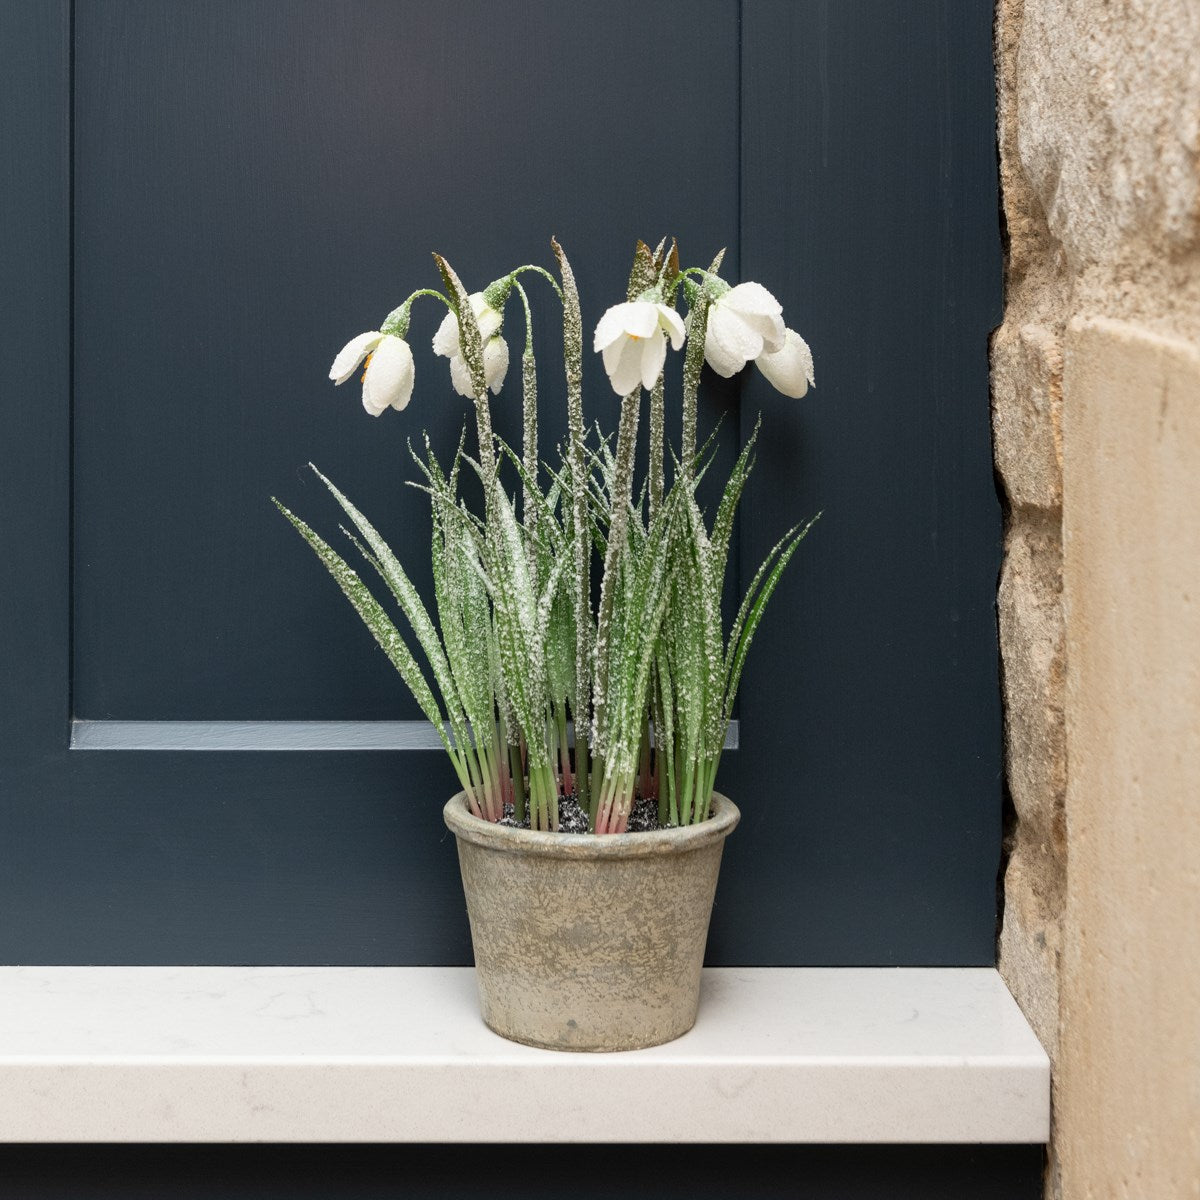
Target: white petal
(495, 363)
(729, 343)
(626, 371)
(722, 363)
(752, 299)
(388, 379)
(637, 318)
(790, 370)
(759, 310)
(351, 354)
(445, 341)
(770, 329)
(460, 377)
(609, 328)
(641, 319)
(369, 404)
(672, 322)
(611, 354)
(486, 317)
(654, 354)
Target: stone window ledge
(381, 1054)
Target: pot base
(586, 1049)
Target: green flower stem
(604, 807)
(616, 801)
(710, 783)
(685, 789)
(396, 322)
(563, 751)
(539, 271)
(582, 769)
(471, 344)
(498, 757)
(462, 770)
(644, 759)
(552, 739)
(657, 420)
(668, 811)
(543, 798)
(485, 769)
(693, 363)
(581, 519)
(529, 443)
(474, 785)
(595, 786)
(699, 797)
(622, 492)
(518, 783)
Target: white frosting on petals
(351, 354)
(389, 377)
(445, 341)
(495, 367)
(743, 323)
(789, 370)
(495, 348)
(632, 340)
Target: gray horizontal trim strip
(267, 735)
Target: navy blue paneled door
(203, 200)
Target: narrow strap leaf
(749, 619)
(376, 620)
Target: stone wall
(1096, 415)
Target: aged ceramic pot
(584, 942)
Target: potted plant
(589, 863)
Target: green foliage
(515, 645)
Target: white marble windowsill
(371, 1054)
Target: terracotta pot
(584, 942)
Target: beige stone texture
(584, 942)
(1129, 1068)
(1026, 424)
(1032, 650)
(1109, 131)
(1027, 414)
(1098, 105)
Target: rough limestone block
(1030, 941)
(1108, 113)
(1128, 1076)
(1032, 647)
(1027, 414)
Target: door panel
(245, 185)
(255, 183)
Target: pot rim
(588, 846)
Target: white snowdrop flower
(743, 323)
(495, 367)
(789, 370)
(631, 339)
(495, 349)
(388, 378)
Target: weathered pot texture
(585, 942)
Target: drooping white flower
(789, 370)
(495, 367)
(495, 349)
(743, 323)
(388, 378)
(631, 338)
